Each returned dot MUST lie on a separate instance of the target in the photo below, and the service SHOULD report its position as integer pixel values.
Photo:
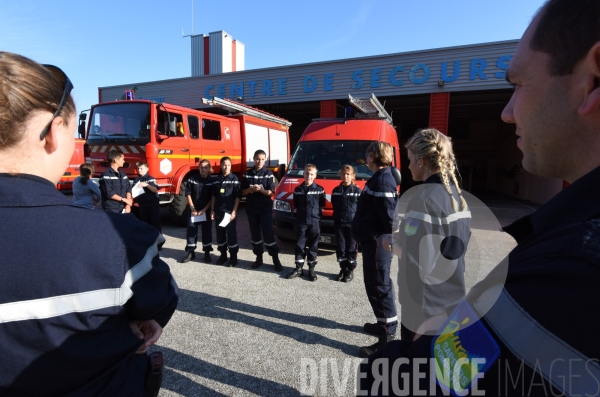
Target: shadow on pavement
(181, 384)
(207, 305)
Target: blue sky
(110, 42)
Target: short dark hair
(113, 154)
(225, 158)
(566, 31)
(141, 163)
(258, 152)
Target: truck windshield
(329, 157)
(120, 123)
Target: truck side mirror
(280, 171)
(396, 174)
(81, 127)
(81, 130)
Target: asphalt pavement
(245, 332)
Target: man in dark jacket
(198, 191)
(537, 329)
(258, 186)
(114, 185)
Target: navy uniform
(225, 190)
(65, 313)
(148, 202)
(201, 192)
(344, 200)
(544, 319)
(114, 182)
(372, 222)
(259, 209)
(308, 202)
(434, 240)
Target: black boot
(258, 262)
(188, 257)
(311, 273)
(233, 260)
(343, 267)
(348, 275)
(207, 258)
(223, 258)
(277, 263)
(372, 329)
(366, 351)
(297, 272)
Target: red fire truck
(72, 171)
(329, 144)
(173, 139)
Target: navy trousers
(192, 234)
(379, 286)
(261, 233)
(346, 247)
(307, 236)
(226, 236)
(151, 215)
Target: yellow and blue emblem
(411, 227)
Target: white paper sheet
(137, 190)
(226, 220)
(199, 218)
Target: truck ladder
(244, 109)
(370, 107)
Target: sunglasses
(67, 90)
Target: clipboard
(199, 218)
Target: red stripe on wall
(439, 106)
(206, 56)
(233, 45)
(328, 109)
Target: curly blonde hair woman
(430, 152)
(432, 236)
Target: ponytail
(85, 171)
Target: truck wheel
(177, 208)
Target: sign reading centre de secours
(398, 76)
(452, 69)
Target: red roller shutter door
(328, 109)
(438, 111)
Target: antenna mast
(190, 35)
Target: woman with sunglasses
(72, 321)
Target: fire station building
(461, 91)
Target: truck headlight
(281, 205)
